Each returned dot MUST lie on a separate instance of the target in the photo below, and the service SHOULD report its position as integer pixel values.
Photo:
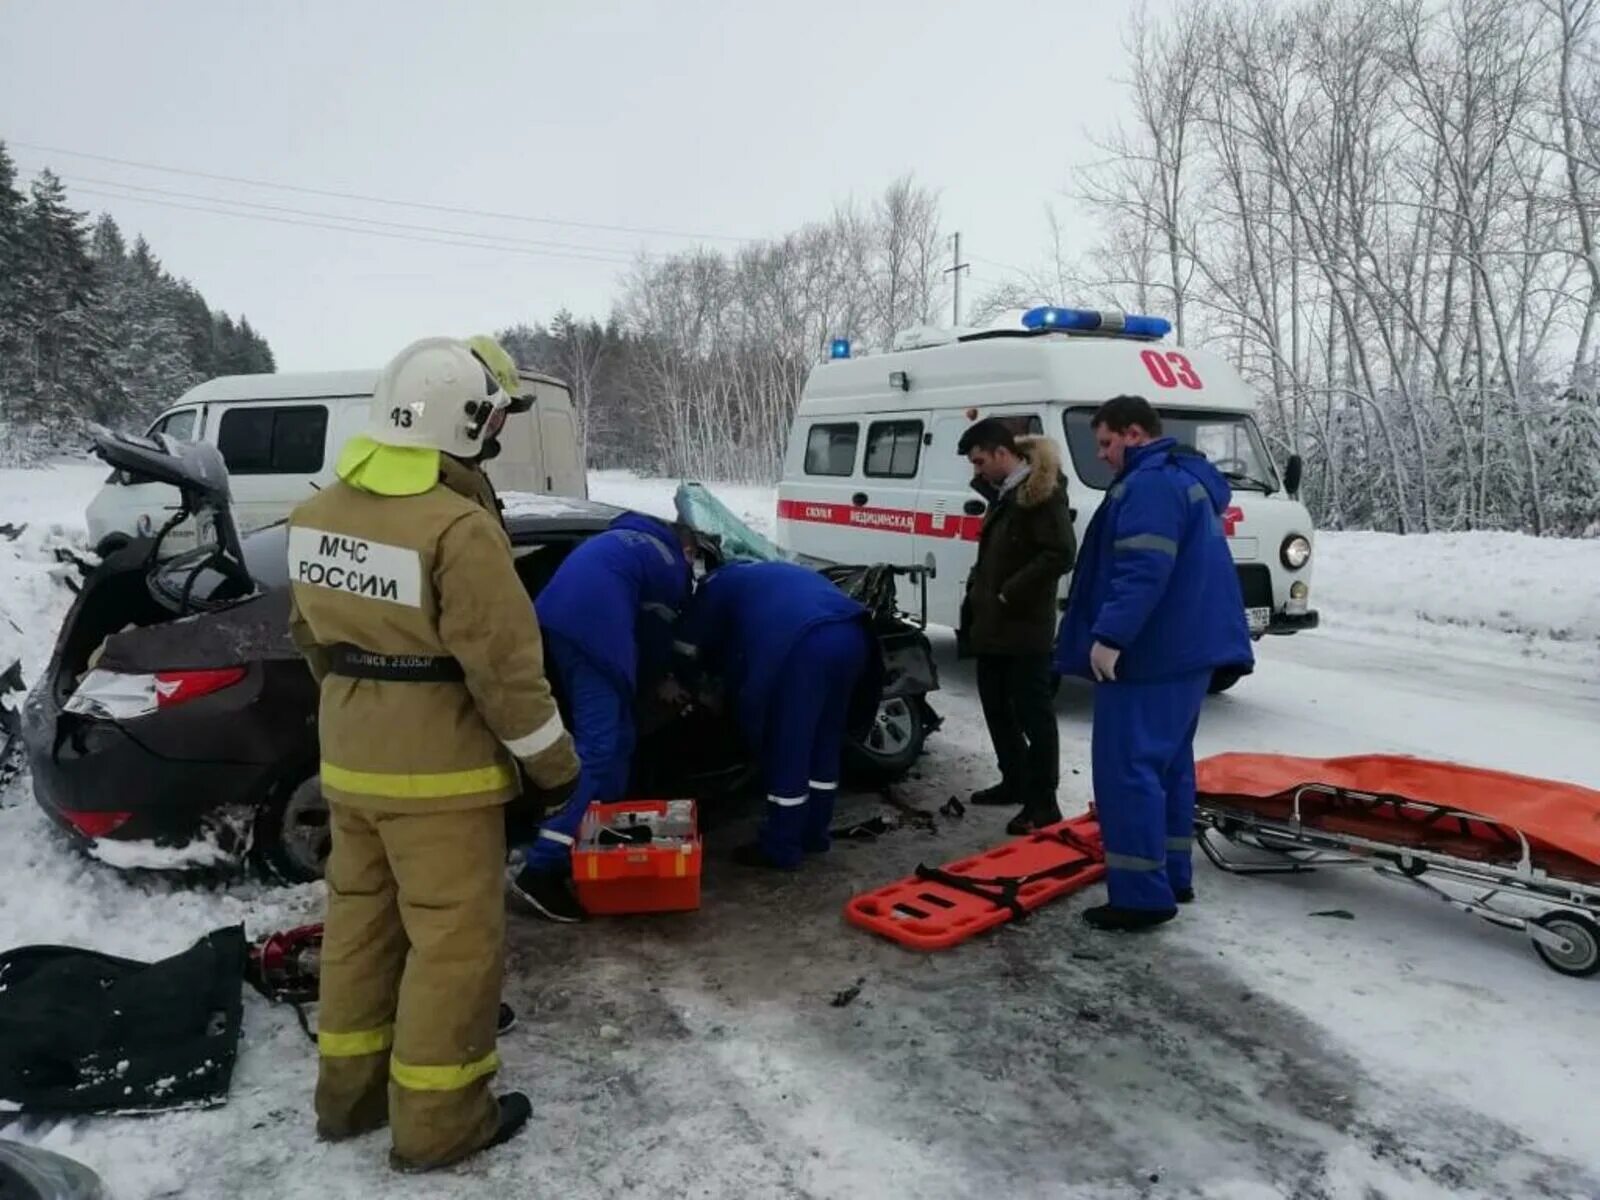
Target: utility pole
(956, 267)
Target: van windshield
(1229, 439)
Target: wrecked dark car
(176, 724)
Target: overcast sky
(721, 120)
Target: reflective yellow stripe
(419, 787)
(442, 1079)
(354, 1045)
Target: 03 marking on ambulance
(355, 565)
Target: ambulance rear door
(950, 510)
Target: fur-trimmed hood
(1044, 477)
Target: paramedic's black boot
(1183, 895)
(506, 1021)
(549, 894)
(998, 796)
(1111, 919)
(752, 855)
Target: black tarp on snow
(84, 1032)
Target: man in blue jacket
(1155, 608)
(802, 667)
(606, 615)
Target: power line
(368, 199)
(623, 256)
(399, 237)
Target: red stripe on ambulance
(881, 520)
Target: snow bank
(1537, 589)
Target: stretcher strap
(1002, 891)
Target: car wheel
(892, 745)
(293, 836)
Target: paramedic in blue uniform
(801, 666)
(606, 615)
(1155, 608)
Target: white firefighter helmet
(436, 395)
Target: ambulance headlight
(1300, 591)
(1296, 552)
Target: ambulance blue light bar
(1088, 320)
(839, 348)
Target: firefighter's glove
(1103, 662)
(548, 801)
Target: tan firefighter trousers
(412, 958)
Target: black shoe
(998, 796)
(752, 855)
(1111, 919)
(515, 1109)
(506, 1021)
(549, 894)
(1028, 821)
(1183, 895)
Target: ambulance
(872, 474)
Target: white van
(872, 473)
(280, 436)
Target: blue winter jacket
(745, 621)
(1154, 576)
(616, 596)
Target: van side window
(893, 449)
(274, 441)
(178, 426)
(831, 449)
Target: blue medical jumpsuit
(607, 613)
(1155, 580)
(802, 668)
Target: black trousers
(1018, 697)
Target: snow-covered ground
(1250, 1049)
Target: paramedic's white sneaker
(549, 894)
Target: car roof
(528, 513)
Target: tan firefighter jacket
(422, 581)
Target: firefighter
(607, 616)
(802, 668)
(408, 610)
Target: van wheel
(292, 834)
(1222, 679)
(893, 744)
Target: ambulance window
(273, 441)
(831, 449)
(893, 448)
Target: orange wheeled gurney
(1519, 852)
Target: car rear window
(831, 449)
(274, 441)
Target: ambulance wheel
(892, 745)
(292, 835)
(1582, 957)
(1222, 679)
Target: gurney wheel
(1583, 959)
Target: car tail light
(117, 695)
(96, 824)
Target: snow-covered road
(1250, 1049)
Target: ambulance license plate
(1259, 619)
